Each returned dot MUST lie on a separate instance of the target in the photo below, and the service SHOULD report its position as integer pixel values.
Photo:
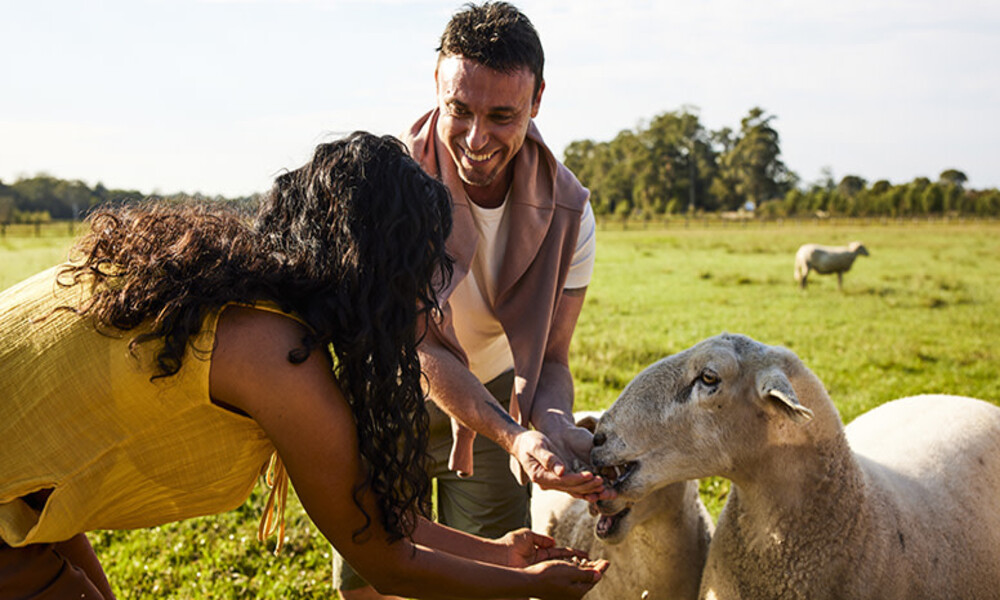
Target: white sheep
(899, 505)
(657, 545)
(825, 260)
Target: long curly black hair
(353, 242)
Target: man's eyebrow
(455, 102)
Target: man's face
(484, 120)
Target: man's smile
(474, 157)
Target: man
(496, 356)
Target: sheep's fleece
(900, 505)
(657, 546)
(825, 260)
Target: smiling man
(483, 120)
(496, 357)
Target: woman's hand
(566, 579)
(525, 547)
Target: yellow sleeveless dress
(79, 415)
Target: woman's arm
(518, 548)
(306, 416)
(79, 553)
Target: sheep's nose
(600, 438)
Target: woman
(152, 378)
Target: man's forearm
(552, 408)
(552, 415)
(461, 396)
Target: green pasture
(921, 314)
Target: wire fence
(715, 221)
(61, 229)
(48, 229)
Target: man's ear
(538, 100)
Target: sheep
(657, 545)
(825, 260)
(900, 504)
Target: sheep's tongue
(607, 524)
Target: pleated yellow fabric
(79, 415)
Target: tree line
(44, 198)
(674, 165)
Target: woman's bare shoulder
(250, 360)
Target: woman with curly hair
(184, 348)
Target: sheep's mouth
(607, 525)
(616, 475)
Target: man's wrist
(553, 421)
(507, 429)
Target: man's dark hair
(496, 35)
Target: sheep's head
(695, 414)
(858, 249)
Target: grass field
(921, 314)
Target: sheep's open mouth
(615, 475)
(608, 524)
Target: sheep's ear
(773, 386)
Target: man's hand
(539, 460)
(573, 444)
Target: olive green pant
(488, 504)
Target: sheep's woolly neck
(799, 524)
(796, 511)
(817, 521)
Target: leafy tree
(851, 185)
(932, 199)
(881, 187)
(953, 177)
(753, 162)
(795, 203)
(681, 159)
(625, 163)
(894, 200)
(6, 208)
(590, 162)
(725, 184)
(986, 202)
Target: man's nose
(477, 136)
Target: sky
(220, 96)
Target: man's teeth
(478, 157)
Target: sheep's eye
(708, 378)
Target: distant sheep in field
(658, 544)
(901, 504)
(825, 260)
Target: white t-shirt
(476, 326)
